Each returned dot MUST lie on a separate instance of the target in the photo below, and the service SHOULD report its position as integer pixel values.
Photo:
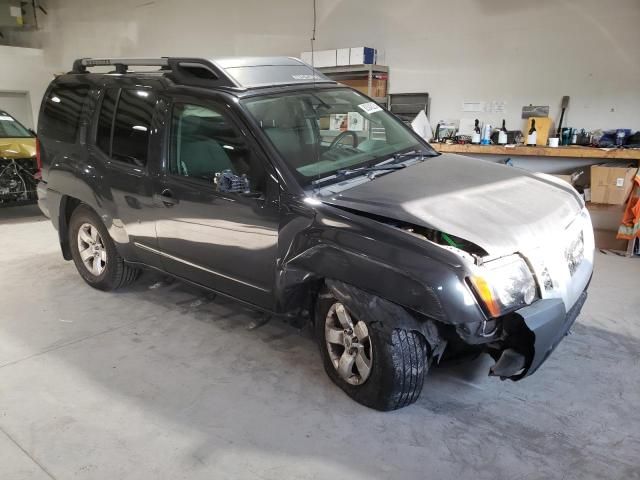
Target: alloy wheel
(349, 345)
(92, 250)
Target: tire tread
(409, 346)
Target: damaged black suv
(263, 180)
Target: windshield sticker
(370, 107)
(5, 117)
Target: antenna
(313, 39)
(313, 74)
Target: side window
(205, 142)
(131, 126)
(61, 112)
(105, 121)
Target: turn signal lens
(483, 290)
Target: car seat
(200, 155)
(286, 129)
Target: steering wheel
(342, 135)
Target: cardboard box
(362, 56)
(321, 58)
(378, 86)
(606, 220)
(611, 184)
(342, 56)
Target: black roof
(239, 74)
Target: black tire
(116, 273)
(399, 362)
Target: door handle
(167, 198)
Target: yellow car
(17, 161)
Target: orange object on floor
(630, 227)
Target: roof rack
(241, 72)
(187, 71)
(121, 64)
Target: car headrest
(191, 125)
(278, 114)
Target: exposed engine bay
(17, 182)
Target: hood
(499, 208)
(17, 147)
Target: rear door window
(132, 125)
(126, 137)
(61, 112)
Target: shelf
(571, 152)
(354, 69)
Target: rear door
(226, 240)
(127, 143)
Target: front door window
(206, 145)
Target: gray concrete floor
(162, 382)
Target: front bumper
(531, 334)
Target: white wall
(516, 51)
(24, 71)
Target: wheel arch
(68, 204)
(301, 277)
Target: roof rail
(186, 71)
(239, 72)
(81, 64)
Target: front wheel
(380, 368)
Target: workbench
(603, 154)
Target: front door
(223, 236)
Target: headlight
(574, 253)
(503, 285)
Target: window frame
(103, 94)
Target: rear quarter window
(60, 117)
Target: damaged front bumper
(530, 335)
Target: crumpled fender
(325, 261)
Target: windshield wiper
(375, 168)
(347, 173)
(414, 153)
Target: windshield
(11, 128)
(319, 132)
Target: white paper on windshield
(5, 117)
(370, 107)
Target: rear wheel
(380, 368)
(94, 252)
